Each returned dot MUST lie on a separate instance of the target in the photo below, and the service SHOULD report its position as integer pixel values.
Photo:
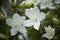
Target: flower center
(16, 22)
(35, 16)
(51, 32)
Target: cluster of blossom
(18, 23)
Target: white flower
(46, 4)
(16, 22)
(34, 2)
(57, 1)
(50, 32)
(35, 17)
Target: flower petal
(42, 6)
(49, 29)
(32, 13)
(51, 7)
(20, 37)
(46, 36)
(46, 29)
(9, 22)
(22, 19)
(13, 31)
(17, 19)
(29, 13)
(36, 10)
(16, 16)
(46, 4)
(36, 25)
(29, 22)
(23, 30)
(25, 35)
(41, 16)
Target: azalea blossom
(46, 4)
(35, 17)
(16, 24)
(50, 32)
(34, 2)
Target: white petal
(41, 16)
(19, 20)
(20, 37)
(52, 30)
(9, 22)
(32, 13)
(46, 36)
(16, 16)
(48, 29)
(51, 7)
(36, 25)
(21, 29)
(57, 1)
(47, 5)
(22, 19)
(25, 35)
(36, 10)
(29, 22)
(16, 19)
(29, 13)
(46, 1)
(42, 6)
(13, 31)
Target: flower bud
(48, 14)
(55, 20)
